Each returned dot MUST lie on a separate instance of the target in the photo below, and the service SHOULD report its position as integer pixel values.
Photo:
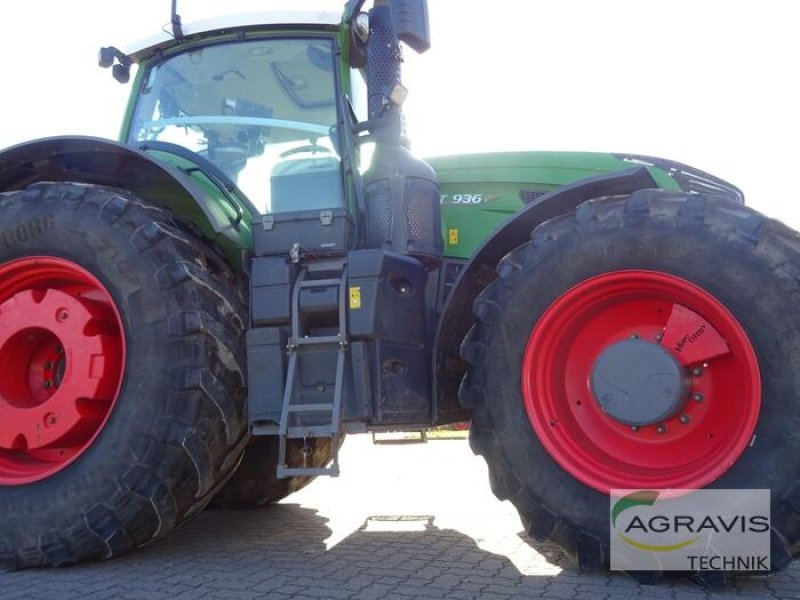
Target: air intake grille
(379, 215)
(423, 218)
(529, 196)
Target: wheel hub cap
(639, 383)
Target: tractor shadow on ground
(280, 551)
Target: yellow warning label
(355, 298)
(452, 237)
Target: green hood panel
(481, 191)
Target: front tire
(162, 328)
(598, 278)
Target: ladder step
(309, 407)
(327, 412)
(312, 283)
(317, 339)
(265, 428)
(283, 472)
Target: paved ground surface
(402, 522)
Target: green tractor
(201, 311)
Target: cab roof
(301, 19)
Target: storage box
(317, 232)
(266, 368)
(391, 297)
(271, 280)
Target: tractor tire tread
(771, 241)
(180, 465)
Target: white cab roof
(317, 18)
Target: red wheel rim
(62, 351)
(689, 450)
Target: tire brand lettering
(26, 232)
(690, 338)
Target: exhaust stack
(401, 191)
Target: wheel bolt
(62, 315)
(634, 428)
(634, 336)
(50, 420)
(697, 371)
(684, 419)
(662, 429)
(659, 336)
(48, 365)
(47, 384)
(698, 397)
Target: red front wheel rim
(691, 448)
(62, 351)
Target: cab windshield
(262, 111)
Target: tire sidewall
(93, 235)
(745, 279)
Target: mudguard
(480, 271)
(103, 162)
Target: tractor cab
(262, 108)
(203, 310)
(272, 116)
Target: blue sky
(708, 83)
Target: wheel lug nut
(48, 365)
(684, 419)
(47, 384)
(698, 397)
(659, 336)
(662, 429)
(634, 428)
(634, 336)
(697, 371)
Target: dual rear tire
(123, 408)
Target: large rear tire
(618, 269)
(124, 339)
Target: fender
(457, 315)
(103, 162)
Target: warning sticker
(452, 237)
(355, 298)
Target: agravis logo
(689, 529)
(643, 498)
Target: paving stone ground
(403, 522)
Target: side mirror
(410, 20)
(105, 58)
(122, 73)
(122, 69)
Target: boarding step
(314, 420)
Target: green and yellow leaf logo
(643, 498)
